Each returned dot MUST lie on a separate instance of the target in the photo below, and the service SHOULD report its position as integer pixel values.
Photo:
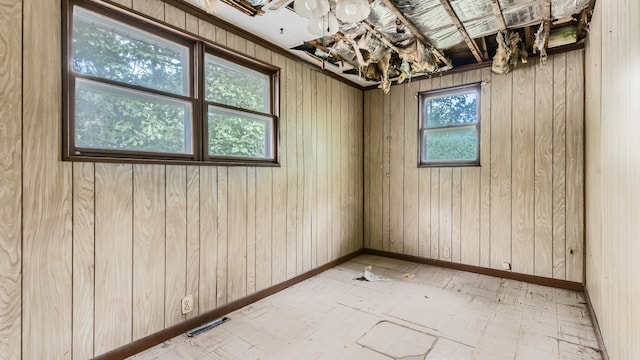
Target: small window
(450, 127)
(135, 91)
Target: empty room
(319, 179)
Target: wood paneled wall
(94, 256)
(523, 205)
(612, 171)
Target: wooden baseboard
(596, 326)
(178, 329)
(539, 280)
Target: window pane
(448, 110)
(109, 117)
(112, 50)
(233, 133)
(454, 144)
(234, 85)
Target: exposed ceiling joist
(498, 14)
(379, 36)
(416, 32)
(463, 31)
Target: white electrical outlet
(187, 304)
(506, 265)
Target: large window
(450, 126)
(136, 91)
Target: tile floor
(439, 314)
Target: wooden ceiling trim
(497, 11)
(546, 20)
(462, 30)
(416, 32)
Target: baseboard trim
(181, 328)
(596, 326)
(539, 280)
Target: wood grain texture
(543, 172)
(83, 259)
(435, 213)
(612, 170)
(559, 166)
(308, 116)
(470, 194)
(522, 159)
(575, 167)
(152, 8)
(148, 249)
(114, 256)
(336, 209)
(396, 168)
(11, 179)
(456, 214)
(193, 238)
(322, 165)
(411, 220)
(300, 106)
(387, 109)
(424, 196)
(444, 207)
(237, 233)
(290, 125)
(126, 242)
(485, 169)
(486, 215)
(175, 279)
(501, 170)
(279, 226)
(208, 259)
(377, 170)
(47, 196)
(174, 16)
(223, 236)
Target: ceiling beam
(463, 31)
(498, 13)
(416, 32)
(379, 36)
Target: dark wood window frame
(198, 47)
(422, 125)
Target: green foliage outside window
(450, 132)
(109, 116)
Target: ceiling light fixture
(324, 22)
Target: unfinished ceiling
(400, 39)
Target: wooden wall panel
(522, 159)
(148, 249)
(396, 168)
(543, 172)
(109, 250)
(501, 107)
(47, 187)
(559, 165)
(193, 238)
(114, 256)
(485, 169)
(424, 196)
(175, 281)
(469, 197)
(411, 174)
(279, 190)
(512, 207)
(11, 179)
(237, 244)
(83, 259)
(612, 169)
